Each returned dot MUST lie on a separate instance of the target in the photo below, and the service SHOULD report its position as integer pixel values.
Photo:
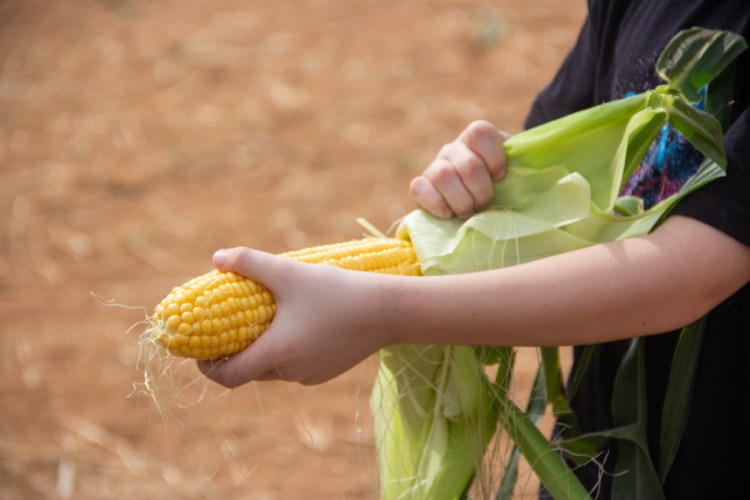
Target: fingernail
(220, 256)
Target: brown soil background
(136, 137)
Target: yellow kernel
(187, 317)
(265, 311)
(216, 325)
(206, 327)
(225, 309)
(245, 303)
(186, 307)
(201, 301)
(184, 328)
(194, 342)
(172, 309)
(173, 322)
(257, 331)
(234, 304)
(206, 340)
(216, 310)
(198, 313)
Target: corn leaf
(556, 394)
(679, 394)
(694, 57)
(635, 475)
(543, 457)
(582, 142)
(435, 414)
(700, 128)
(535, 411)
(583, 363)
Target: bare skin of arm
(328, 319)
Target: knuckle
(472, 168)
(465, 212)
(443, 173)
(418, 186)
(446, 149)
(238, 260)
(483, 198)
(479, 130)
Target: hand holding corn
(321, 329)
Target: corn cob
(220, 313)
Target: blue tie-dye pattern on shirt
(669, 162)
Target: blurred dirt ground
(136, 137)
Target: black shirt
(616, 54)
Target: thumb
(259, 266)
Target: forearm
(328, 319)
(607, 292)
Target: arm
(624, 289)
(328, 319)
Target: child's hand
(459, 180)
(323, 324)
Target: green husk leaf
(580, 370)
(556, 394)
(543, 458)
(535, 411)
(694, 57)
(635, 475)
(698, 127)
(435, 414)
(679, 394)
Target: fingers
(460, 180)
(239, 369)
(428, 197)
(482, 138)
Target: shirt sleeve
(573, 87)
(725, 203)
